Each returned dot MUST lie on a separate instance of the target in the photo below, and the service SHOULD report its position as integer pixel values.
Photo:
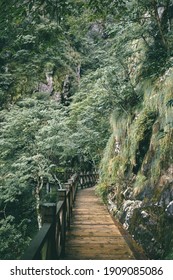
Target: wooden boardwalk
(93, 234)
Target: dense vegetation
(87, 84)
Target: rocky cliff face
(138, 176)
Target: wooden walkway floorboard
(93, 234)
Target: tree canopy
(69, 72)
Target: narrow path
(93, 235)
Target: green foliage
(102, 191)
(102, 60)
(12, 237)
(31, 141)
(32, 39)
(104, 8)
(169, 256)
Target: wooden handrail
(37, 244)
(49, 242)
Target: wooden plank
(98, 249)
(75, 234)
(92, 223)
(93, 234)
(90, 215)
(99, 257)
(118, 241)
(96, 228)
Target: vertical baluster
(68, 187)
(76, 183)
(81, 180)
(71, 182)
(62, 219)
(68, 208)
(84, 179)
(64, 226)
(90, 180)
(62, 197)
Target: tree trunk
(37, 197)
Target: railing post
(81, 180)
(61, 194)
(62, 197)
(68, 187)
(88, 179)
(71, 182)
(76, 182)
(48, 211)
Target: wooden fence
(49, 243)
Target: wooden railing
(49, 243)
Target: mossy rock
(153, 230)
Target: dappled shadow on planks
(93, 234)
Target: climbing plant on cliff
(135, 178)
